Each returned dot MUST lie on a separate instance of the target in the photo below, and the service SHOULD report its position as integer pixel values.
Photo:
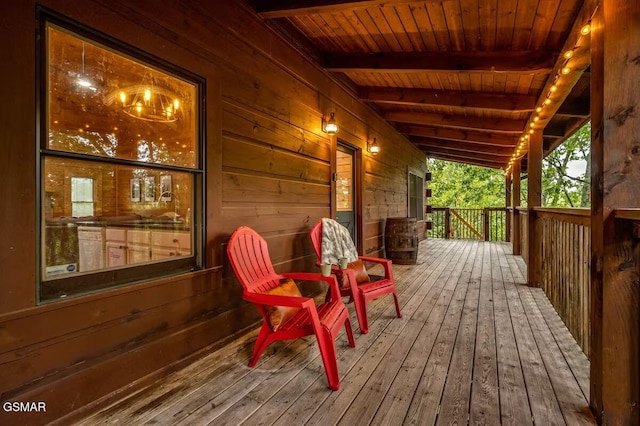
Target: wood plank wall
(268, 166)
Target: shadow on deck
(475, 345)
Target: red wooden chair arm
(386, 263)
(309, 276)
(351, 276)
(275, 300)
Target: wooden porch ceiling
(467, 74)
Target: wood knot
(621, 116)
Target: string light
(565, 69)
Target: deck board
(475, 345)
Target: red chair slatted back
(316, 239)
(249, 257)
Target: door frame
(358, 175)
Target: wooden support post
(615, 179)
(485, 219)
(534, 199)
(507, 201)
(447, 223)
(516, 203)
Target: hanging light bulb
(568, 54)
(82, 79)
(585, 30)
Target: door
(346, 189)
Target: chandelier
(150, 102)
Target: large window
(120, 164)
(416, 196)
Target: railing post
(534, 199)
(447, 222)
(615, 178)
(507, 221)
(487, 233)
(516, 241)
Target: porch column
(534, 199)
(516, 203)
(615, 179)
(507, 204)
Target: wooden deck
(475, 346)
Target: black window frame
(51, 290)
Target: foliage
(466, 186)
(462, 185)
(559, 189)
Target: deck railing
(488, 224)
(565, 274)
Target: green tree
(465, 186)
(559, 188)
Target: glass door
(345, 189)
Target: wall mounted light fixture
(373, 147)
(329, 125)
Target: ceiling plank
(427, 143)
(489, 158)
(485, 101)
(497, 139)
(527, 61)
(502, 125)
(472, 161)
(271, 9)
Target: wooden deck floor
(475, 346)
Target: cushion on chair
(360, 271)
(278, 315)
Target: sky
(576, 168)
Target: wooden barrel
(401, 240)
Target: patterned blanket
(336, 243)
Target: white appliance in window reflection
(91, 248)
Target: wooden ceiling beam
(471, 161)
(496, 139)
(514, 61)
(485, 101)
(489, 158)
(428, 143)
(554, 130)
(576, 108)
(271, 9)
(502, 125)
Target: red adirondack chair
(362, 293)
(249, 257)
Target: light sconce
(373, 147)
(329, 126)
